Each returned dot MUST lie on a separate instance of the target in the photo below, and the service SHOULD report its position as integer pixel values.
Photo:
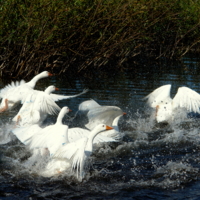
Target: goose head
(62, 113)
(51, 89)
(99, 128)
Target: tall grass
(75, 35)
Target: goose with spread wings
(38, 104)
(73, 155)
(16, 91)
(98, 114)
(166, 106)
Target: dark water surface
(152, 162)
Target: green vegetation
(62, 35)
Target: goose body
(78, 152)
(166, 107)
(36, 106)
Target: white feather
(57, 97)
(166, 107)
(52, 136)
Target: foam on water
(151, 155)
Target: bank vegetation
(78, 35)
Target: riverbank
(79, 35)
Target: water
(152, 162)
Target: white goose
(98, 114)
(166, 106)
(36, 106)
(16, 91)
(76, 153)
(51, 137)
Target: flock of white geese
(69, 148)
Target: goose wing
(24, 134)
(85, 106)
(45, 104)
(187, 98)
(75, 153)
(51, 137)
(75, 134)
(27, 105)
(57, 97)
(102, 115)
(10, 88)
(158, 96)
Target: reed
(77, 35)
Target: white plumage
(88, 105)
(51, 137)
(166, 106)
(98, 114)
(77, 133)
(24, 134)
(57, 97)
(17, 91)
(77, 152)
(36, 106)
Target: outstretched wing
(88, 105)
(187, 98)
(10, 88)
(57, 97)
(51, 137)
(158, 96)
(24, 134)
(75, 134)
(45, 104)
(102, 115)
(75, 153)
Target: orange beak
(70, 110)
(57, 89)
(50, 74)
(109, 128)
(124, 113)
